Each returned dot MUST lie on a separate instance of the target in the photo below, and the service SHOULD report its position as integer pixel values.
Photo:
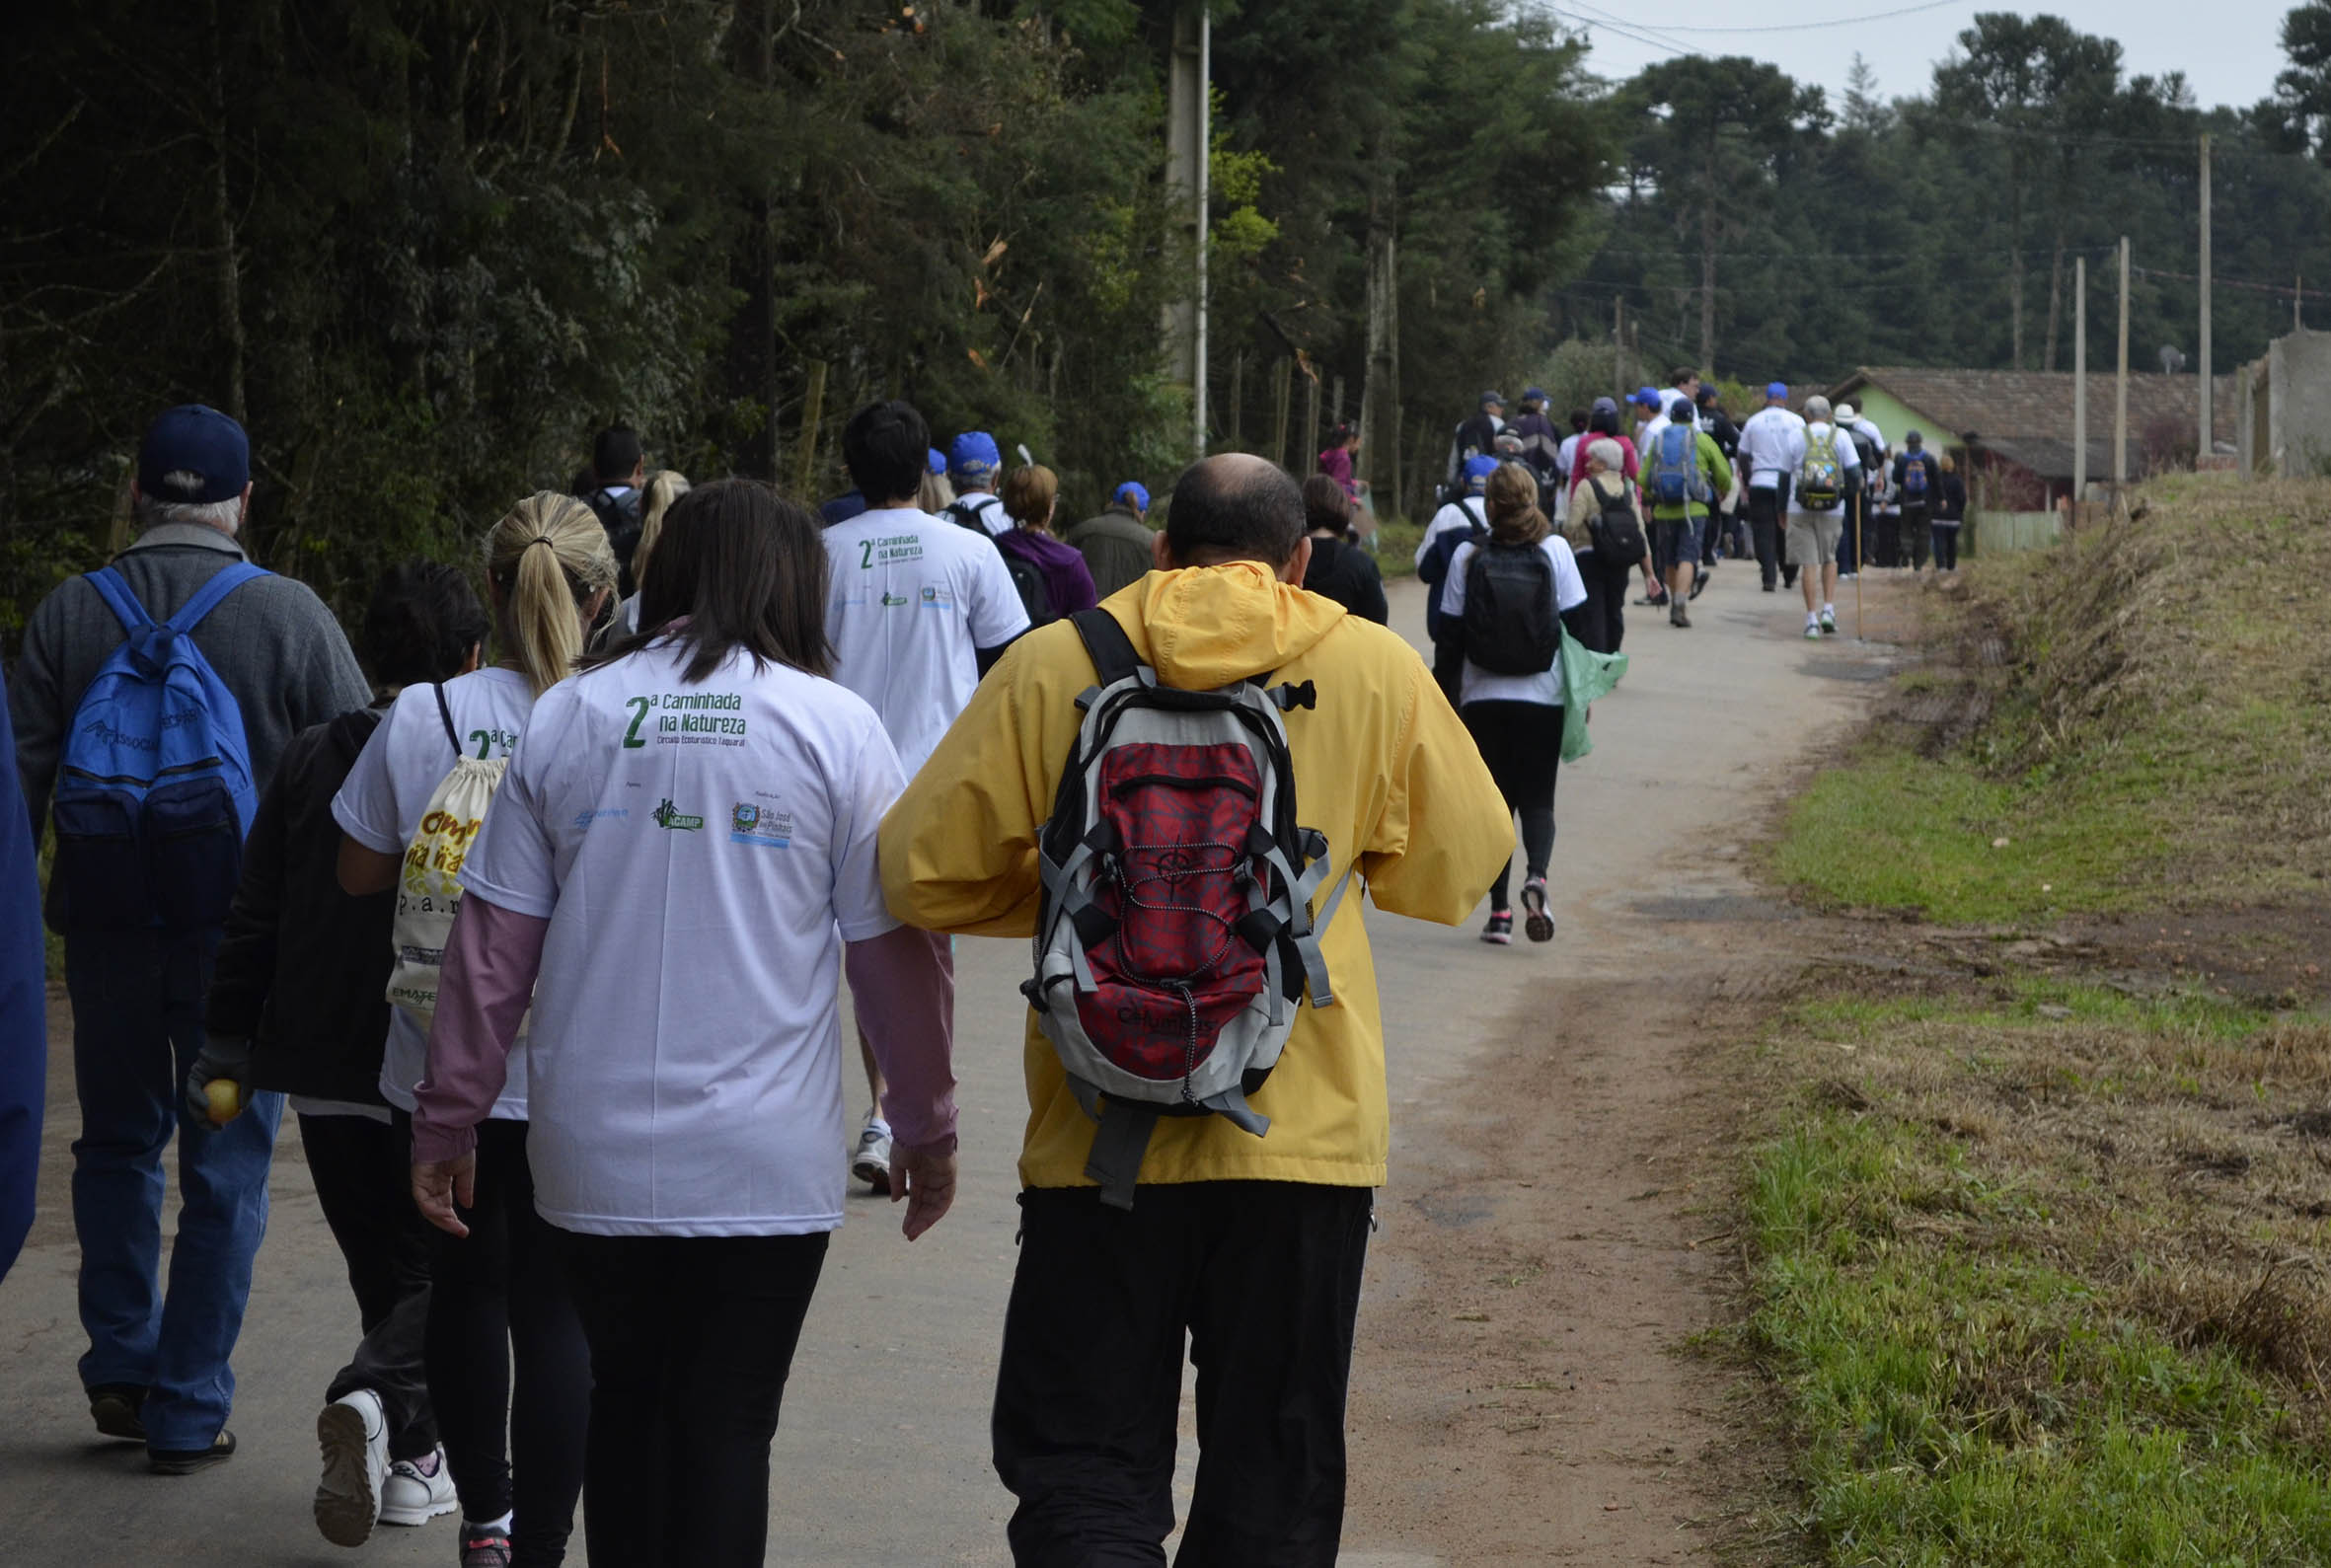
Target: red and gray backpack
(1175, 940)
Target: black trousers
(1264, 1278)
(498, 1299)
(691, 1338)
(1946, 546)
(1917, 532)
(1606, 601)
(1765, 522)
(364, 1181)
(1522, 742)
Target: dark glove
(227, 1059)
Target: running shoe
(1538, 924)
(418, 1490)
(484, 1546)
(872, 1164)
(1499, 933)
(115, 1407)
(1699, 582)
(353, 1432)
(1677, 616)
(1828, 623)
(186, 1461)
(1812, 632)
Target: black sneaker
(1699, 582)
(1540, 925)
(1499, 933)
(484, 1546)
(186, 1461)
(115, 1407)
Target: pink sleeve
(1628, 446)
(491, 963)
(902, 985)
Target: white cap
(1844, 411)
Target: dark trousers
(364, 1181)
(1765, 522)
(1916, 535)
(1946, 546)
(1448, 667)
(1886, 544)
(691, 1341)
(1850, 535)
(1522, 742)
(498, 1299)
(1264, 1278)
(137, 1028)
(1606, 601)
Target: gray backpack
(1174, 940)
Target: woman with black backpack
(1605, 530)
(1508, 600)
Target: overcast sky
(2228, 50)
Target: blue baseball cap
(1776, 388)
(1476, 474)
(193, 455)
(1646, 397)
(938, 461)
(1534, 394)
(974, 456)
(1131, 490)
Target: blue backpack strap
(206, 598)
(114, 588)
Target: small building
(2284, 408)
(2011, 430)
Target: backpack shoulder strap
(208, 597)
(114, 589)
(1106, 640)
(445, 712)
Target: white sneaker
(353, 1432)
(872, 1164)
(418, 1490)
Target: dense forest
(424, 248)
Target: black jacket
(303, 969)
(1344, 572)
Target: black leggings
(500, 1296)
(1946, 546)
(691, 1341)
(1605, 624)
(1522, 742)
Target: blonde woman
(497, 1295)
(1052, 577)
(664, 487)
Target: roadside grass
(2142, 714)
(2033, 1267)
(1395, 549)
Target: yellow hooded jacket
(1382, 764)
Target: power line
(1811, 26)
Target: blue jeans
(137, 1025)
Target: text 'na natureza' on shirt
(911, 600)
(381, 806)
(1382, 766)
(1545, 687)
(701, 851)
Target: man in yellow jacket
(1251, 1246)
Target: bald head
(1235, 507)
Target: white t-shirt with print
(701, 851)
(911, 600)
(1771, 444)
(1545, 687)
(380, 806)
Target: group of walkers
(535, 909)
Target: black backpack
(619, 516)
(968, 515)
(1616, 531)
(1511, 625)
(1035, 594)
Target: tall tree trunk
(2016, 266)
(1707, 268)
(1380, 392)
(222, 223)
(2055, 298)
(765, 460)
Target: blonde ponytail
(548, 557)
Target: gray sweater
(272, 642)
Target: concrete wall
(2298, 404)
(1990, 533)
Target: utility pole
(1619, 344)
(2079, 383)
(2202, 453)
(2121, 386)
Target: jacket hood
(1210, 626)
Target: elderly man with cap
(157, 1367)
(974, 466)
(1772, 445)
(1473, 437)
(1118, 542)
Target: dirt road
(1517, 1397)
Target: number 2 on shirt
(640, 707)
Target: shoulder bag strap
(114, 588)
(445, 712)
(1106, 640)
(208, 597)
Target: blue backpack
(154, 794)
(1674, 468)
